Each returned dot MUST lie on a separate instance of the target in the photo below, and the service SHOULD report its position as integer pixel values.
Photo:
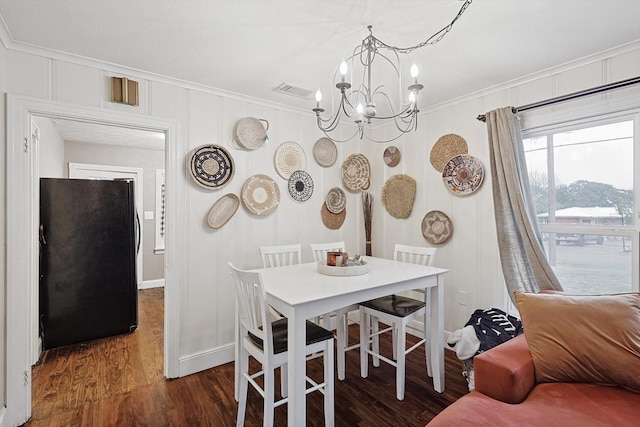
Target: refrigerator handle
(43, 241)
(138, 230)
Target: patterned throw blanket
(493, 326)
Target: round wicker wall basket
(330, 220)
(436, 227)
(398, 195)
(446, 147)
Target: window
(581, 177)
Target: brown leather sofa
(506, 394)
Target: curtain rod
(570, 96)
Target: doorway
(22, 246)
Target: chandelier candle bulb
(318, 98)
(414, 73)
(343, 71)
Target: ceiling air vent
(293, 91)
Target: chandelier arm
(409, 123)
(331, 126)
(382, 141)
(341, 140)
(405, 109)
(344, 103)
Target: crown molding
(5, 36)
(548, 72)
(10, 43)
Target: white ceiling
(249, 47)
(94, 133)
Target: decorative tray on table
(343, 270)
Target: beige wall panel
(27, 74)
(532, 91)
(77, 84)
(575, 80)
(167, 101)
(624, 67)
(204, 290)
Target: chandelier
(365, 104)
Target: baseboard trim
(147, 284)
(206, 360)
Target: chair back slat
(276, 256)
(414, 254)
(320, 250)
(251, 299)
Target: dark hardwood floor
(119, 382)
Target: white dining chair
(319, 251)
(276, 256)
(267, 342)
(396, 311)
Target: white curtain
(524, 264)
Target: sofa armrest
(505, 372)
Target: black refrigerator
(89, 237)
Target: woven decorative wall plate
(211, 166)
(300, 186)
(446, 147)
(398, 195)
(391, 156)
(325, 152)
(289, 157)
(222, 210)
(330, 220)
(336, 200)
(463, 174)
(250, 132)
(436, 227)
(355, 172)
(260, 195)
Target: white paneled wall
(3, 239)
(206, 116)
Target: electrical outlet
(148, 214)
(461, 298)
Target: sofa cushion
(583, 339)
(548, 405)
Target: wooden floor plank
(119, 382)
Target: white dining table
(300, 292)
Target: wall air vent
(293, 91)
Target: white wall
(51, 150)
(3, 240)
(206, 318)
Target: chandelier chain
(435, 38)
